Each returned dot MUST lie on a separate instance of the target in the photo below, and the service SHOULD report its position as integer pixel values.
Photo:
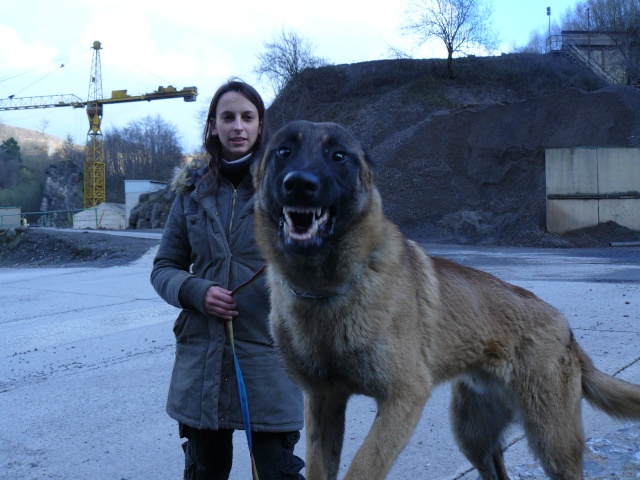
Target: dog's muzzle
(306, 226)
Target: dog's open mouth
(302, 225)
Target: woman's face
(237, 125)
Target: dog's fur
(359, 309)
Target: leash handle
(253, 277)
(244, 401)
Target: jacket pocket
(197, 231)
(179, 324)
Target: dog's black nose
(301, 185)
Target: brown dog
(359, 309)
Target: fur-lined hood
(185, 178)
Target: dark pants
(209, 453)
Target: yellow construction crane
(94, 167)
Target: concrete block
(571, 171)
(569, 214)
(619, 170)
(623, 211)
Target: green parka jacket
(210, 238)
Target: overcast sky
(151, 43)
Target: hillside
(462, 160)
(30, 139)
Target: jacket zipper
(233, 210)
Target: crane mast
(95, 169)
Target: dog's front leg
(392, 428)
(324, 423)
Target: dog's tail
(613, 396)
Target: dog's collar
(322, 295)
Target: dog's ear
(369, 160)
(368, 169)
(258, 165)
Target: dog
(357, 308)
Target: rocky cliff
(62, 194)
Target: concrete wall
(588, 186)
(109, 216)
(132, 191)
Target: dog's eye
(283, 152)
(339, 156)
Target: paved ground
(86, 353)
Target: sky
(46, 49)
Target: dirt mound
(462, 160)
(40, 247)
(478, 175)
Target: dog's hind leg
(478, 420)
(324, 424)
(392, 428)
(553, 423)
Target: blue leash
(244, 401)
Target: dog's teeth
(316, 219)
(323, 218)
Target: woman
(208, 249)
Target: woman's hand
(220, 303)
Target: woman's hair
(211, 142)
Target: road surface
(86, 356)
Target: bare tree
(284, 59)
(460, 24)
(44, 123)
(395, 53)
(69, 151)
(538, 42)
(146, 149)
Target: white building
(110, 216)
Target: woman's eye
(283, 152)
(339, 156)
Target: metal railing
(575, 52)
(567, 45)
(55, 218)
(51, 218)
(554, 43)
